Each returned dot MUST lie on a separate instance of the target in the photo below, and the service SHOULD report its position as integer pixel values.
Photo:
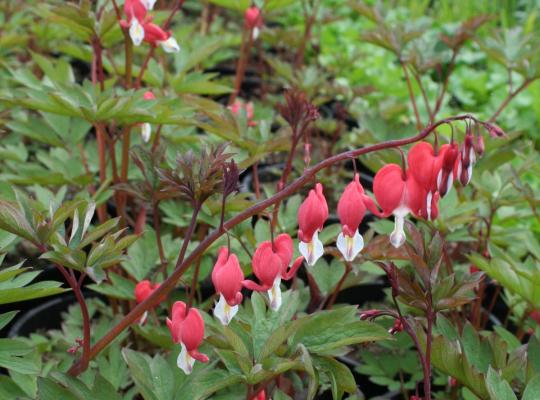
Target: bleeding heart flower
(466, 160)
(143, 290)
(397, 193)
(146, 128)
(312, 214)
(155, 35)
(445, 175)
(271, 266)
(433, 171)
(238, 106)
(135, 12)
(227, 277)
(253, 20)
(351, 210)
(187, 328)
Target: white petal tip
(184, 361)
(274, 295)
(146, 132)
(136, 32)
(350, 247)
(170, 45)
(397, 237)
(224, 312)
(312, 251)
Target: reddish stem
(411, 95)
(245, 48)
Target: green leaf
(327, 275)
(341, 377)
(15, 355)
(5, 318)
(532, 391)
(50, 390)
(497, 387)
(13, 220)
(330, 330)
(37, 290)
(142, 256)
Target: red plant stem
(426, 366)
(144, 66)
(245, 48)
(430, 315)
(182, 264)
(157, 138)
(300, 55)
(194, 280)
(444, 87)
(128, 60)
(286, 172)
(256, 183)
(157, 229)
(82, 364)
(124, 168)
(187, 236)
(411, 95)
(424, 96)
(509, 98)
(348, 269)
(101, 138)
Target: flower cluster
(430, 174)
(141, 28)
(398, 190)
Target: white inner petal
(428, 205)
(136, 32)
(350, 247)
(148, 4)
(256, 33)
(223, 311)
(184, 361)
(313, 250)
(449, 182)
(397, 237)
(274, 294)
(469, 173)
(146, 132)
(170, 45)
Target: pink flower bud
(253, 17)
